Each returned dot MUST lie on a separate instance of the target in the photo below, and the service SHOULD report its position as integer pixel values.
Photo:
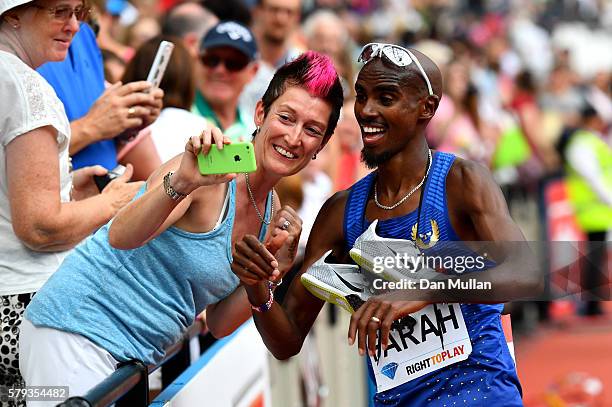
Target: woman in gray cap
(38, 221)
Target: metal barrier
(129, 384)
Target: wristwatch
(172, 193)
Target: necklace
(401, 201)
(261, 218)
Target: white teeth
(373, 129)
(284, 152)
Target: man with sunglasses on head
(227, 62)
(422, 351)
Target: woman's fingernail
(350, 341)
(274, 264)
(361, 352)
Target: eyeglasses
(397, 55)
(231, 64)
(65, 13)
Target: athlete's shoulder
(335, 204)
(469, 176)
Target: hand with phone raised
(119, 108)
(188, 177)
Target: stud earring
(314, 157)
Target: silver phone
(160, 63)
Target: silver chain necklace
(261, 218)
(401, 201)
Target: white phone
(160, 63)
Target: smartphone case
(235, 157)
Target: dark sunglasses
(231, 64)
(65, 13)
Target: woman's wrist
(180, 185)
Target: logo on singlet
(428, 239)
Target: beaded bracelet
(268, 304)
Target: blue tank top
(136, 303)
(488, 376)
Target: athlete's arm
(284, 328)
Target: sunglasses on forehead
(399, 56)
(231, 64)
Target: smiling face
(388, 110)
(45, 37)
(292, 132)
(221, 85)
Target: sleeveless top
(136, 303)
(488, 376)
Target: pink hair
(321, 74)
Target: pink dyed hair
(314, 72)
(320, 75)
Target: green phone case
(235, 157)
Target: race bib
(415, 346)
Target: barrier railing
(129, 384)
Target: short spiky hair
(314, 72)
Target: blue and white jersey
(482, 372)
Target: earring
(15, 26)
(314, 157)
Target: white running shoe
(371, 252)
(340, 284)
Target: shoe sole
(327, 293)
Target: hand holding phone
(160, 63)
(103, 180)
(233, 158)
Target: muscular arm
(479, 213)
(284, 329)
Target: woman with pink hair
(134, 287)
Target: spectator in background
(325, 32)
(189, 21)
(113, 66)
(456, 127)
(274, 25)
(344, 151)
(45, 208)
(98, 115)
(562, 97)
(589, 181)
(141, 31)
(228, 62)
(176, 124)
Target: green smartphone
(235, 157)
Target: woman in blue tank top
(133, 288)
